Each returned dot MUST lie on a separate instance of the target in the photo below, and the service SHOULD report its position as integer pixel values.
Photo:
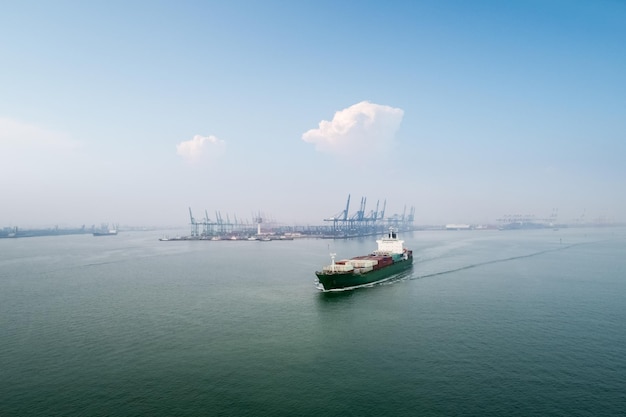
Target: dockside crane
(206, 223)
(219, 222)
(362, 222)
(356, 219)
(411, 218)
(194, 225)
(375, 215)
(371, 221)
(345, 211)
(360, 214)
(397, 220)
(230, 225)
(340, 220)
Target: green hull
(338, 281)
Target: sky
(132, 112)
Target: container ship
(390, 258)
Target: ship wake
(496, 261)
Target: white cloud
(200, 146)
(18, 135)
(362, 129)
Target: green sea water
(487, 323)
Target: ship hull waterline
(339, 281)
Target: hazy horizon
(131, 113)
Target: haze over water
(486, 323)
(130, 112)
(133, 113)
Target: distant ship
(105, 231)
(390, 258)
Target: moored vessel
(390, 258)
(105, 231)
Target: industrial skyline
(468, 111)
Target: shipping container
(361, 263)
(338, 268)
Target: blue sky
(131, 112)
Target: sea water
(487, 323)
